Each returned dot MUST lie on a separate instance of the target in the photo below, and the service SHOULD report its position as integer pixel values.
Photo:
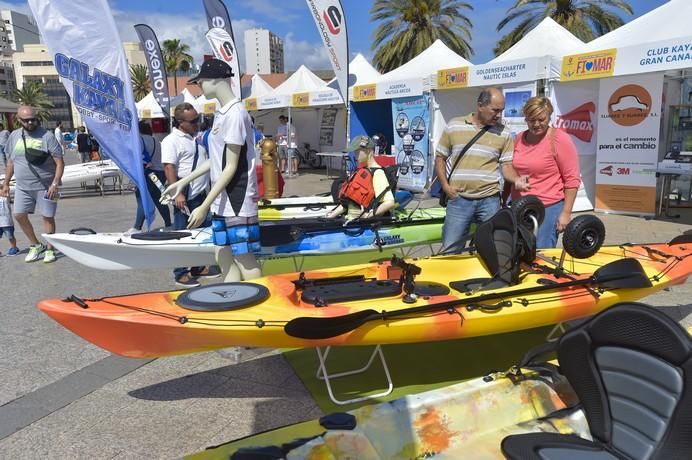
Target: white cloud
(313, 55)
(189, 29)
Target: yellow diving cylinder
(270, 176)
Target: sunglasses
(28, 120)
(193, 121)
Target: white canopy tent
(305, 97)
(657, 42)
(410, 79)
(149, 108)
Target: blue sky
(290, 19)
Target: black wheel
(315, 161)
(526, 207)
(583, 236)
(336, 186)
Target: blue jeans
(547, 232)
(180, 223)
(155, 196)
(461, 212)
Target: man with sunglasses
(180, 155)
(36, 184)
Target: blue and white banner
(85, 47)
(411, 125)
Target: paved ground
(61, 397)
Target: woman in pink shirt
(549, 158)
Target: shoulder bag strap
(31, 168)
(478, 135)
(194, 165)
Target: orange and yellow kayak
(369, 304)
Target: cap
(213, 69)
(361, 142)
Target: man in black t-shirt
(84, 145)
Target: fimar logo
(577, 122)
(332, 17)
(366, 91)
(589, 65)
(452, 78)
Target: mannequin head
(364, 148)
(214, 79)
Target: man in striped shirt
(474, 187)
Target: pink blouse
(549, 174)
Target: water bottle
(155, 179)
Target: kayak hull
(153, 324)
(120, 251)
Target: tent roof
(548, 38)
(301, 81)
(259, 87)
(7, 106)
(437, 56)
(360, 70)
(668, 21)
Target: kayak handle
(82, 231)
(489, 308)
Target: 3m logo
(607, 171)
(332, 17)
(578, 122)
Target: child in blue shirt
(7, 226)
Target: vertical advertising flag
(629, 123)
(85, 47)
(217, 16)
(224, 48)
(156, 66)
(331, 24)
(411, 116)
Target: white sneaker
(48, 256)
(132, 230)
(35, 252)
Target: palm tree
(32, 94)
(140, 81)
(177, 57)
(586, 19)
(410, 26)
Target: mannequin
(214, 81)
(365, 153)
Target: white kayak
(280, 239)
(76, 174)
(295, 207)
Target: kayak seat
(501, 244)
(631, 367)
(160, 236)
(324, 294)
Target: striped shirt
(478, 173)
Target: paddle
(623, 273)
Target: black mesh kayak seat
(631, 367)
(156, 235)
(501, 244)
